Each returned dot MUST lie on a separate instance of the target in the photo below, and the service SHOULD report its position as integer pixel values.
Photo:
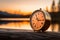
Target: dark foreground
(10, 35)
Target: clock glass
(37, 20)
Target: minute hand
(38, 19)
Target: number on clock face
(37, 20)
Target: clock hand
(38, 19)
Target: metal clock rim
(33, 14)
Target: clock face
(37, 20)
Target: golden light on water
(26, 26)
(16, 25)
(54, 28)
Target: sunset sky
(24, 5)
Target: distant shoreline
(14, 19)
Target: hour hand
(38, 19)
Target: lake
(24, 24)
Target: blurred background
(15, 14)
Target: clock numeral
(40, 26)
(42, 19)
(35, 26)
(42, 23)
(33, 23)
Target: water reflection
(26, 25)
(16, 25)
(54, 27)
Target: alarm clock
(40, 20)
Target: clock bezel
(31, 18)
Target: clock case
(46, 23)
